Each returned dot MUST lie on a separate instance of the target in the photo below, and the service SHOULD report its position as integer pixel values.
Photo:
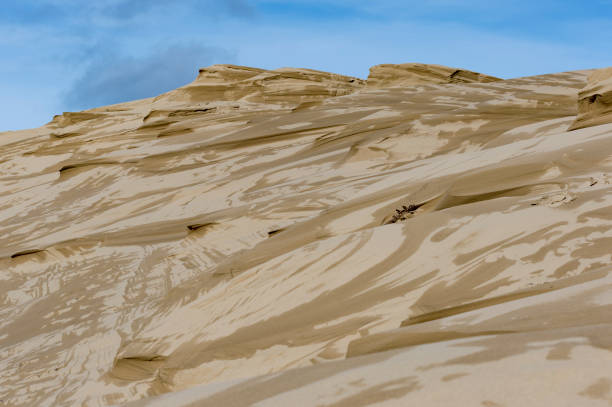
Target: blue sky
(67, 55)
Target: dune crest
(279, 86)
(408, 74)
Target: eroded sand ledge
(295, 237)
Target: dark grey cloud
(112, 78)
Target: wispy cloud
(37, 11)
(127, 9)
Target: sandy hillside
(428, 236)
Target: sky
(70, 55)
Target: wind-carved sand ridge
(595, 100)
(295, 237)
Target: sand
(295, 237)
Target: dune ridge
(595, 100)
(296, 237)
(390, 75)
(279, 86)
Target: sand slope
(294, 237)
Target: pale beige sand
(243, 241)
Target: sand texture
(429, 236)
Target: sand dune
(427, 236)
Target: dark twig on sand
(403, 213)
